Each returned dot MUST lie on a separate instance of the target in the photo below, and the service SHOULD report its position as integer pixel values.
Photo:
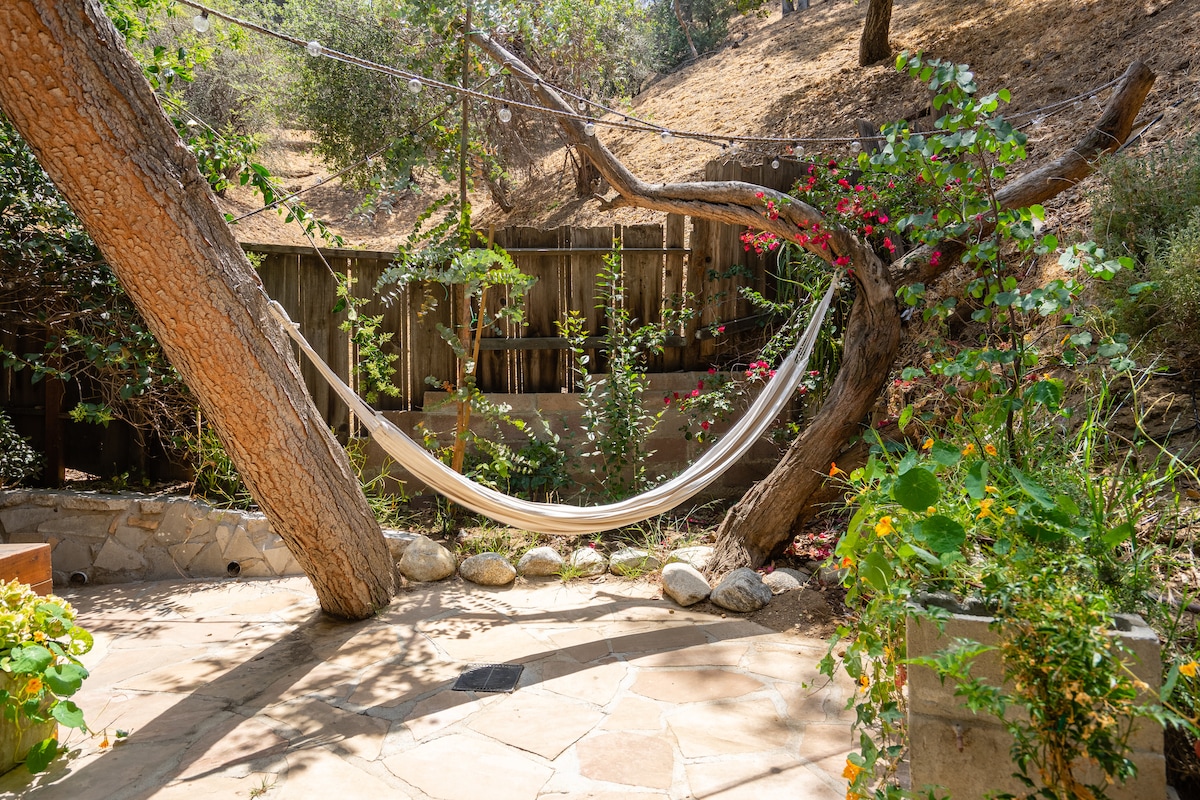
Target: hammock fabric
(558, 518)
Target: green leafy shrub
(1146, 197)
(40, 645)
(18, 460)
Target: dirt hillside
(798, 77)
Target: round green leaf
(41, 754)
(917, 489)
(69, 714)
(942, 534)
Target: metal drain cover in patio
(489, 678)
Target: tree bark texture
(72, 90)
(873, 46)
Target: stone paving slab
(242, 688)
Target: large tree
(71, 89)
(763, 520)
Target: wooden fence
(661, 264)
(683, 258)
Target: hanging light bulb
(734, 148)
(504, 115)
(666, 136)
(582, 104)
(414, 86)
(855, 146)
(775, 163)
(313, 48)
(590, 128)
(201, 22)
(799, 148)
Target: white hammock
(575, 520)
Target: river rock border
(119, 538)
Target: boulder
(398, 542)
(587, 562)
(684, 584)
(696, 556)
(487, 569)
(785, 580)
(632, 561)
(741, 590)
(540, 562)
(426, 560)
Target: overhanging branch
(1108, 134)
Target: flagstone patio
(242, 688)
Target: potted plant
(40, 645)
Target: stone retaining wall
(114, 538)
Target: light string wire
(627, 121)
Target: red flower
(704, 425)
(842, 261)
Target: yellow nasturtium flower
(884, 527)
(990, 449)
(985, 509)
(1189, 669)
(969, 450)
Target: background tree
(873, 46)
(78, 99)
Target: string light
(414, 86)
(775, 163)
(589, 129)
(582, 105)
(666, 136)
(734, 148)
(504, 115)
(201, 22)
(314, 48)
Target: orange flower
(1189, 669)
(834, 469)
(846, 563)
(990, 449)
(851, 771)
(927, 445)
(985, 509)
(34, 686)
(969, 450)
(884, 527)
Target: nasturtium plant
(40, 646)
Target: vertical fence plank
(582, 282)
(543, 367)
(643, 278)
(674, 266)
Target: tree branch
(1108, 134)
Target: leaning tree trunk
(763, 520)
(873, 46)
(72, 90)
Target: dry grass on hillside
(798, 77)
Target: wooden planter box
(969, 755)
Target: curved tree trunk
(873, 46)
(763, 518)
(71, 89)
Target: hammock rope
(559, 518)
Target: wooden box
(28, 563)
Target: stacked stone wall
(115, 538)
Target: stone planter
(969, 755)
(15, 742)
